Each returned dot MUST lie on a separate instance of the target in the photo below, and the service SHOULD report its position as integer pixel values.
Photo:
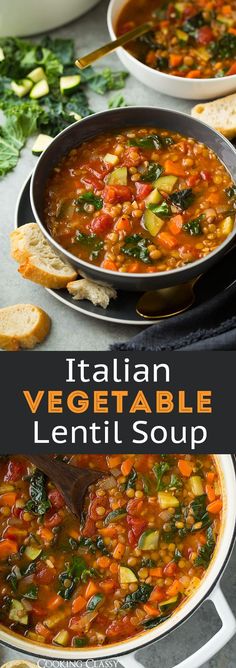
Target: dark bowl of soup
(138, 198)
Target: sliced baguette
(22, 326)
(38, 261)
(219, 114)
(99, 295)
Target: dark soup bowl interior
(117, 119)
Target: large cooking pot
(209, 589)
(117, 119)
(29, 17)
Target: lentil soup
(189, 39)
(146, 538)
(144, 200)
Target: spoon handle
(111, 46)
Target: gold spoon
(166, 302)
(111, 46)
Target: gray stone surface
(70, 329)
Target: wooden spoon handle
(111, 46)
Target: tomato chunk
(116, 194)
(44, 574)
(56, 499)
(101, 224)
(204, 35)
(15, 471)
(143, 190)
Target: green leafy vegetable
(39, 502)
(153, 172)
(154, 621)
(69, 578)
(225, 47)
(159, 471)
(88, 198)
(93, 545)
(32, 592)
(198, 508)
(80, 642)
(151, 141)
(102, 82)
(175, 482)
(193, 227)
(92, 241)
(131, 480)
(13, 581)
(116, 102)
(205, 552)
(136, 246)
(13, 135)
(141, 595)
(162, 209)
(193, 23)
(182, 198)
(231, 192)
(89, 573)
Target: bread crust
(38, 329)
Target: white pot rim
(227, 470)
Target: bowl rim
(107, 272)
(146, 68)
(226, 465)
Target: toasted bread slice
(38, 261)
(219, 114)
(22, 326)
(99, 295)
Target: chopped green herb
(205, 552)
(88, 198)
(91, 240)
(182, 198)
(39, 502)
(162, 209)
(193, 227)
(137, 246)
(141, 595)
(31, 593)
(152, 173)
(159, 471)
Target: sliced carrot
(7, 547)
(8, 499)
(156, 572)
(232, 31)
(133, 267)
(157, 595)
(54, 602)
(119, 551)
(150, 610)
(41, 629)
(113, 461)
(114, 567)
(226, 10)
(109, 531)
(126, 466)
(174, 168)
(185, 467)
(175, 224)
(210, 493)
(193, 74)
(103, 562)
(107, 586)
(232, 69)
(210, 476)
(175, 59)
(91, 589)
(214, 507)
(123, 224)
(45, 534)
(108, 264)
(167, 240)
(174, 588)
(78, 604)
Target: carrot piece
(113, 461)
(45, 534)
(108, 264)
(210, 476)
(214, 507)
(232, 69)
(107, 586)
(226, 10)
(232, 31)
(193, 74)
(109, 531)
(41, 629)
(78, 604)
(133, 267)
(185, 467)
(91, 589)
(167, 240)
(174, 588)
(114, 567)
(157, 595)
(175, 59)
(174, 168)
(123, 224)
(54, 602)
(119, 551)
(126, 466)
(201, 538)
(150, 610)
(103, 562)
(8, 499)
(156, 572)
(214, 198)
(7, 547)
(73, 533)
(210, 493)
(175, 224)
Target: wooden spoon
(71, 481)
(111, 46)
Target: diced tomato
(232, 70)
(56, 499)
(138, 525)
(116, 194)
(134, 506)
(205, 175)
(132, 157)
(131, 538)
(15, 471)
(143, 190)
(192, 180)
(120, 628)
(101, 224)
(170, 569)
(89, 528)
(93, 182)
(37, 609)
(92, 511)
(204, 35)
(99, 168)
(52, 519)
(44, 574)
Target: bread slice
(219, 114)
(99, 295)
(22, 326)
(20, 663)
(38, 261)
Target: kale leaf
(141, 595)
(182, 198)
(90, 240)
(162, 209)
(89, 198)
(159, 471)
(152, 173)
(205, 552)
(39, 502)
(136, 246)
(193, 227)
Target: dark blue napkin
(209, 325)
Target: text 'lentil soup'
(146, 538)
(141, 201)
(189, 39)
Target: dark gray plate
(123, 309)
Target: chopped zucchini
(115, 516)
(182, 36)
(154, 197)
(40, 89)
(41, 143)
(21, 88)
(35, 636)
(55, 619)
(126, 575)
(167, 500)
(32, 553)
(166, 183)
(61, 638)
(149, 540)
(152, 223)
(111, 159)
(194, 584)
(94, 602)
(225, 19)
(2, 57)
(69, 84)
(196, 485)
(203, 53)
(18, 612)
(37, 75)
(6, 487)
(76, 116)
(226, 225)
(168, 604)
(118, 177)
